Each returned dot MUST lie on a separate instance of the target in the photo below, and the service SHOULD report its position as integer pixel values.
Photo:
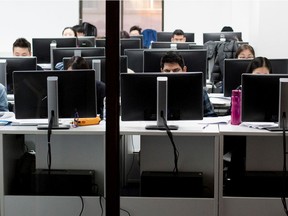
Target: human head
(259, 65)
(69, 32)
(172, 62)
(124, 34)
(178, 36)
(79, 30)
(77, 62)
(135, 30)
(245, 51)
(227, 29)
(21, 47)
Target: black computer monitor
(76, 92)
(195, 60)
(125, 43)
(139, 93)
(260, 97)
(166, 36)
(16, 64)
(60, 53)
(123, 64)
(233, 69)
(135, 59)
(86, 41)
(140, 37)
(168, 45)
(41, 47)
(216, 36)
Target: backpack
(149, 35)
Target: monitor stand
(52, 96)
(162, 95)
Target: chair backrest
(89, 29)
(148, 36)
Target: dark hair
(259, 62)
(178, 32)
(79, 28)
(243, 47)
(75, 34)
(124, 34)
(23, 43)
(172, 57)
(227, 29)
(77, 62)
(137, 28)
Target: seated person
(259, 65)
(77, 62)
(135, 31)
(79, 30)
(173, 62)
(22, 47)
(178, 36)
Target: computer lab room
(147, 107)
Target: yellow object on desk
(87, 121)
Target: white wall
(262, 23)
(34, 18)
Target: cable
(82, 205)
(283, 197)
(49, 157)
(175, 151)
(121, 209)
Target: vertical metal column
(112, 107)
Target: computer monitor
(76, 93)
(16, 64)
(135, 59)
(41, 47)
(60, 53)
(166, 36)
(195, 60)
(233, 69)
(139, 91)
(86, 41)
(123, 64)
(216, 36)
(125, 43)
(260, 97)
(140, 37)
(168, 45)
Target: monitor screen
(139, 93)
(86, 41)
(16, 64)
(123, 63)
(195, 60)
(125, 43)
(166, 36)
(233, 69)
(76, 92)
(168, 45)
(216, 36)
(260, 97)
(140, 37)
(60, 53)
(135, 59)
(41, 47)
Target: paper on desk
(6, 117)
(259, 125)
(216, 120)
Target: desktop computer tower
(171, 184)
(63, 182)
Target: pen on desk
(205, 126)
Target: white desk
(263, 153)
(198, 149)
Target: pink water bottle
(236, 107)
